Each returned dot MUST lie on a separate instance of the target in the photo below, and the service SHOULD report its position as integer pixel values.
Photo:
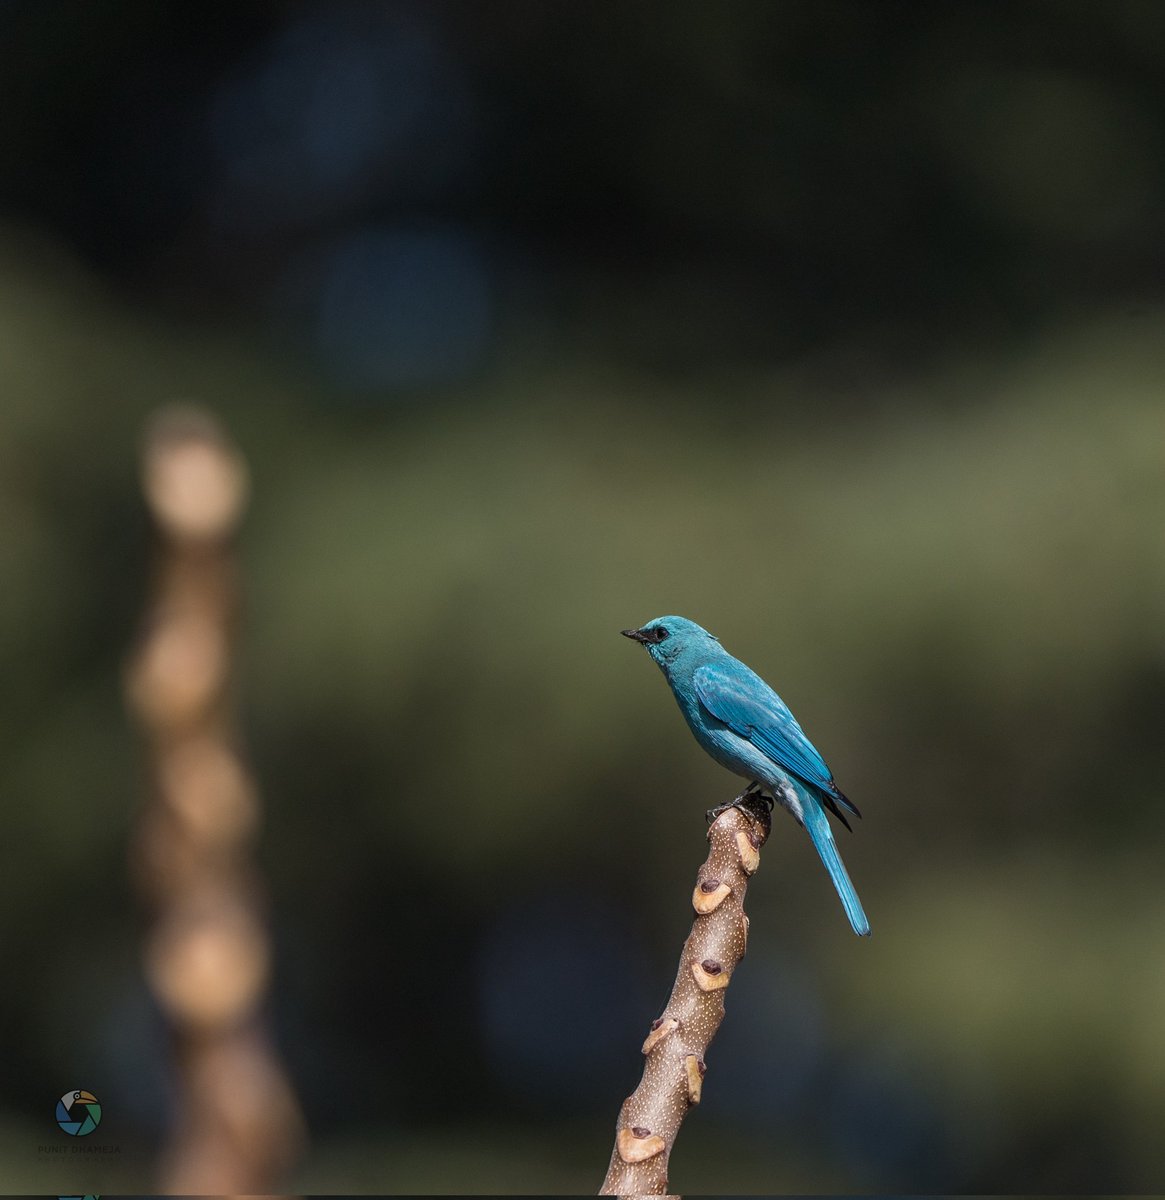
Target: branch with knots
(676, 1046)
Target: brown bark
(676, 1045)
(208, 953)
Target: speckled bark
(676, 1044)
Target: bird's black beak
(636, 635)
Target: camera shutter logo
(78, 1113)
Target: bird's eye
(660, 633)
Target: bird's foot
(746, 801)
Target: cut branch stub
(676, 1047)
(710, 976)
(660, 1028)
(639, 1144)
(709, 894)
(694, 1071)
(749, 851)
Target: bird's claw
(755, 791)
(744, 802)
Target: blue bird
(745, 726)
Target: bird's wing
(751, 709)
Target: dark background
(835, 327)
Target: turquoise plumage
(745, 726)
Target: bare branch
(675, 1047)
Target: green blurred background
(837, 328)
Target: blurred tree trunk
(208, 955)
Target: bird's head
(667, 639)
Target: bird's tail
(817, 826)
